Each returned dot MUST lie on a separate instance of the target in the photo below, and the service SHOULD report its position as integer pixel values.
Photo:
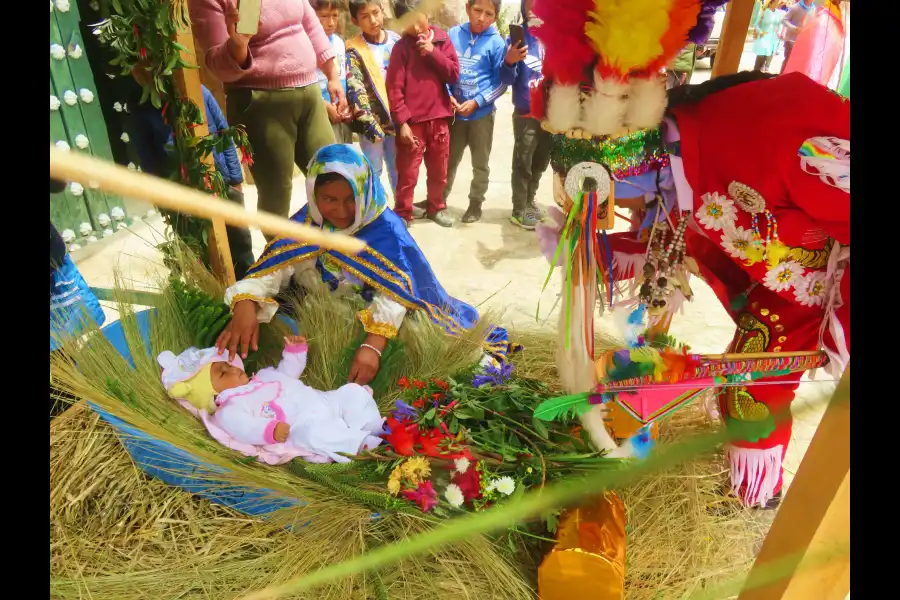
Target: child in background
(329, 14)
(367, 64)
(481, 51)
(423, 64)
(531, 151)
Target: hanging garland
(143, 35)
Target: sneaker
(441, 218)
(539, 213)
(418, 211)
(473, 213)
(524, 219)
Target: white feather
(605, 107)
(646, 103)
(564, 107)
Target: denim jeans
(381, 153)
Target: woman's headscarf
(352, 165)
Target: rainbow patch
(814, 148)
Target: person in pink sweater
(423, 63)
(272, 86)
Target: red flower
(143, 54)
(424, 496)
(419, 383)
(469, 482)
(437, 396)
(401, 438)
(403, 382)
(441, 384)
(430, 442)
(419, 403)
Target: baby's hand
(290, 340)
(281, 432)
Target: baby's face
(225, 377)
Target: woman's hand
(243, 330)
(238, 43)
(281, 432)
(367, 361)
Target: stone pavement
(491, 264)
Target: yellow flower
(416, 470)
(393, 486)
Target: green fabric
(478, 137)
(757, 6)
(285, 127)
(684, 62)
(342, 133)
(531, 156)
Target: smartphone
(248, 24)
(516, 35)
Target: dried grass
(117, 534)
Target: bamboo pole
(187, 82)
(733, 37)
(75, 166)
(815, 514)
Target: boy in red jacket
(423, 63)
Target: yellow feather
(776, 252)
(627, 33)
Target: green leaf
(540, 428)
(430, 413)
(461, 414)
(118, 7)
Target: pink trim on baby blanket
(269, 432)
(297, 348)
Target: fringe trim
(564, 107)
(757, 471)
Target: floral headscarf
(352, 165)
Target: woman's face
(225, 377)
(337, 203)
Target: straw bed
(118, 534)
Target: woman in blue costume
(391, 274)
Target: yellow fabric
(198, 390)
(373, 69)
(588, 560)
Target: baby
(274, 406)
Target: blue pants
(381, 153)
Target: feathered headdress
(604, 58)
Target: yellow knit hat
(198, 390)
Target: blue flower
(642, 442)
(493, 376)
(404, 410)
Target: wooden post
(187, 82)
(733, 37)
(814, 517)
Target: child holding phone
(531, 150)
(423, 63)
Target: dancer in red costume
(764, 210)
(819, 45)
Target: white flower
(93, 238)
(74, 247)
(122, 226)
(117, 107)
(107, 232)
(117, 213)
(717, 212)
(76, 188)
(103, 219)
(81, 141)
(124, 137)
(62, 5)
(783, 277)
(811, 290)
(63, 145)
(454, 495)
(57, 51)
(70, 97)
(75, 51)
(68, 236)
(86, 95)
(505, 485)
(736, 240)
(461, 464)
(85, 229)
(54, 102)
(132, 166)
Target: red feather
(538, 102)
(568, 54)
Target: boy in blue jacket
(531, 152)
(481, 50)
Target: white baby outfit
(342, 420)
